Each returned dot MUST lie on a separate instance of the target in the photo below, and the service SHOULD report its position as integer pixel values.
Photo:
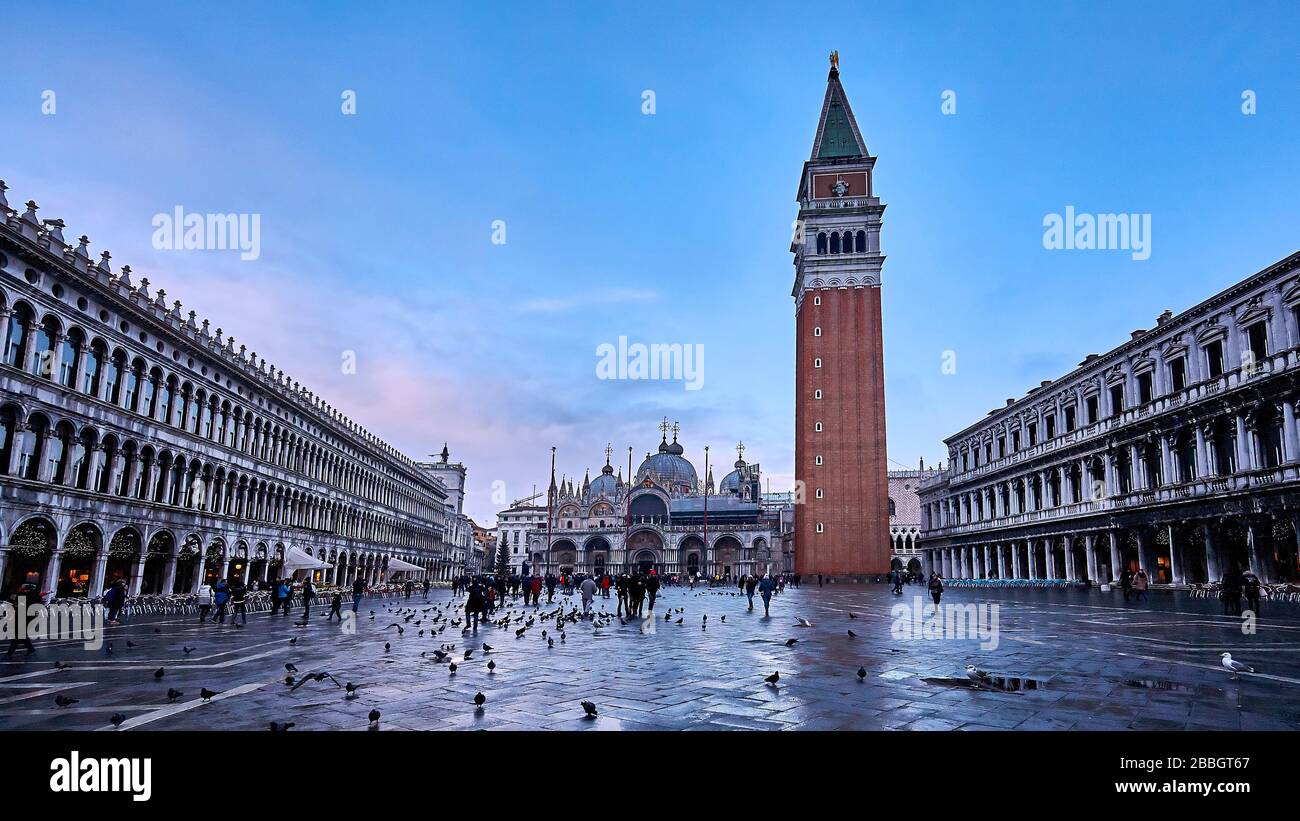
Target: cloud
(583, 299)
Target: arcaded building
(140, 442)
(1177, 452)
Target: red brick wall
(854, 472)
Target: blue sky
(673, 227)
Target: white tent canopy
(395, 564)
(297, 559)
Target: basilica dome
(669, 467)
(605, 484)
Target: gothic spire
(837, 129)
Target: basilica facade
(139, 443)
(664, 519)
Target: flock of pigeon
(435, 619)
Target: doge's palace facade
(140, 443)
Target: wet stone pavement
(1076, 660)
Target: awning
(297, 559)
(395, 564)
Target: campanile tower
(842, 527)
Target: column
(169, 575)
(1213, 565)
(1002, 561)
(97, 573)
(1090, 551)
(137, 573)
(1033, 559)
(1175, 560)
(1116, 561)
(1166, 467)
(51, 580)
(1069, 558)
(1290, 438)
(987, 551)
(1202, 450)
(1244, 450)
(1015, 561)
(1260, 551)
(225, 568)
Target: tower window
(817, 459)
(820, 493)
(817, 363)
(821, 242)
(817, 331)
(817, 426)
(817, 300)
(821, 528)
(817, 394)
(860, 242)
(835, 243)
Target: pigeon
(452, 668)
(852, 615)
(479, 699)
(492, 665)
(387, 647)
(276, 727)
(773, 679)
(351, 689)
(130, 644)
(158, 674)
(1235, 667)
(173, 694)
(487, 648)
(862, 673)
(550, 642)
(117, 719)
(208, 694)
(292, 668)
(188, 650)
(58, 665)
(374, 718)
(64, 701)
(791, 642)
(852, 635)
(468, 653)
(288, 680)
(589, 708)
(293, 640)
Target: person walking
(1250, 587)
(535, 584)
(936, 587)
(604, 585)
(550, 588)
(25, 595)
(285, 589)
(652, 588)
(751, 584)
(205, 601)
(114, 598)
(238, 597)
(588, 591)
(308, 596)
(220, 597)
(896, 576)
(358, 590)
(336, 606)
(1230, 591)
(1140, 585)
(427, 586)
(765, 588)
(1126, 583)
(474, 604)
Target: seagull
(976, 675)
(800, 621)
(589, 708)
(1235, 667)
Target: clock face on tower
(840, 188)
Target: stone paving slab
(1104, 665)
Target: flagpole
(707, 552)
(550, 503)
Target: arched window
(29, 457)
(94, 361)
(835, 243)
(167, 393)
(134, 379)
(893, 509)
(12, 437)
(860, 242)
(821, 242)
(42, 362)
(72, 345)
(19, 322)
(848, 242)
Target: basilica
(664, 519)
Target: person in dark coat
(751, 584)
(114, 598)
(765, 588)
(936, 587)
(30, 596)
(550, 588)
(652, 588)
(221, 597)
(358, 590)
(1126, 583)
(1230, 591)
(474, 604)
(1250, 587)
(308, 596)
(336, 606)
(238, 597)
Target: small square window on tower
(821, 528)
(818, 460)
(817, 362)
(817, 331)
(821, 493)
(817, 426)
(817, 394)
(817, 300)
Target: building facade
(139, 443)
(666, 519)
(1177, 453)
(840, 456)
(461, 552)
(905, 516)
(513, 526)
